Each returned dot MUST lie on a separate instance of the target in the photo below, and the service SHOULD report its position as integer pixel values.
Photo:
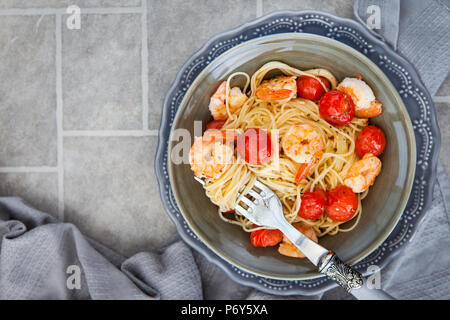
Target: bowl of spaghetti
(319, 124)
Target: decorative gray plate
(402, 75)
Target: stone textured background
(80, 109)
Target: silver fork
(264, 209)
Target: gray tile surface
(177, 30)
(40, 190)
(444, 90)
(8, 4)
(342, 8)
(27, 91)
(101, 65)
(443, 113)
(111, 192)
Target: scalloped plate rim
(412, 152)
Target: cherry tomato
(341, 204)
(254, 146)
(337, 107)
(326, 82)
(371, 140)
(215, 124)
(266, 237)
(313, 204)
(310, 88)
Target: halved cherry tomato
(215, 124)
(266, 237)
(371, 140)
(337, 107)
(326, 82)
(254, 146)
(341, 204)
(310, 88)
(313, 204)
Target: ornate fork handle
(343, 274)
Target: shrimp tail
(305, 169)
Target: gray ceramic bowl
(386, 200)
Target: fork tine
(255, 194)
(261, 186)
(250, 216)
(248, 202)
(240, 209)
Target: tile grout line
(144, 65)
(109, 133)
(59, 116)
(43, 169)
(259, 8)
(51, 11)
(112, 10)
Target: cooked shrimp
(303, 144)
(362, 95)
(287, 248)
(211, 154)
(362, 173)
(217, 105)
(280, 89)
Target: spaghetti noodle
(279, 173)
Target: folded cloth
(38, 253)
(419, 30)
(41, 258)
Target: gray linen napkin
(419, 30)
(36, 250)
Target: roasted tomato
(341, 204)
(337, 107)
(266, 237)
(215, 124)
(254, 146)
(371, 140)
(310, 88)
(313, 204)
